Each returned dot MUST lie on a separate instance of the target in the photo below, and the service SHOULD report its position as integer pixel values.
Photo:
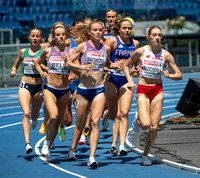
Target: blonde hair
(51, 31)
(80, 31)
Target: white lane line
(160, 160)
(14, 113)
(6, 99)
(9, 91)
(9, 102)
(37, 151)
(173, 87)
(11, 107)
(174, 84)
(170, 100)
(1, 127)
(171, 94)
(17, 123)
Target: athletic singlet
(108, 34)
(73, 44)
(151, 65)
(56, 64)
(29, 69)
(122, 51)
(92, 54)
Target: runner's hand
(12, 73)
(131, 85)
(166, 73)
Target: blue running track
(14, 162)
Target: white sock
(121, 147)
(91, 159)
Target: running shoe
(113, 151)
(45, 148)
(105, 122)
(52, 146)
(43, 128)
(71, 156)
(63, 135)
(135, 125)
(33, 124)
(92, 163)
(87, 131)
(48, 157)
(82, 140)
(146, 161)
(29, 149)
(88, 140)
(122, 151)
(130, 131)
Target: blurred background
(178, 19)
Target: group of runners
(94, 67)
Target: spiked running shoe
(87, 131)
(45, 148)
(43, 128)
(92, 163)
(63, 135)
(122, 151)
(33, 124)
(29, 149)
(113, 151)
(135, 125)
(48, 157)
(82, 140)
(105, 122)
(146, 161)
(88, 140)
(71, 156)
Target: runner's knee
(144, 125)
(124, 114)
(154, 128)
(94, 123)
(26, 115)
(79, 126)
(68, 122)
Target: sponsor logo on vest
(120, 46)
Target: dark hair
(112, 10)
(150, 31)
(151, 28)
(36, 28)
(77, 21)
(116, 28)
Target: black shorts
(33, 89)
